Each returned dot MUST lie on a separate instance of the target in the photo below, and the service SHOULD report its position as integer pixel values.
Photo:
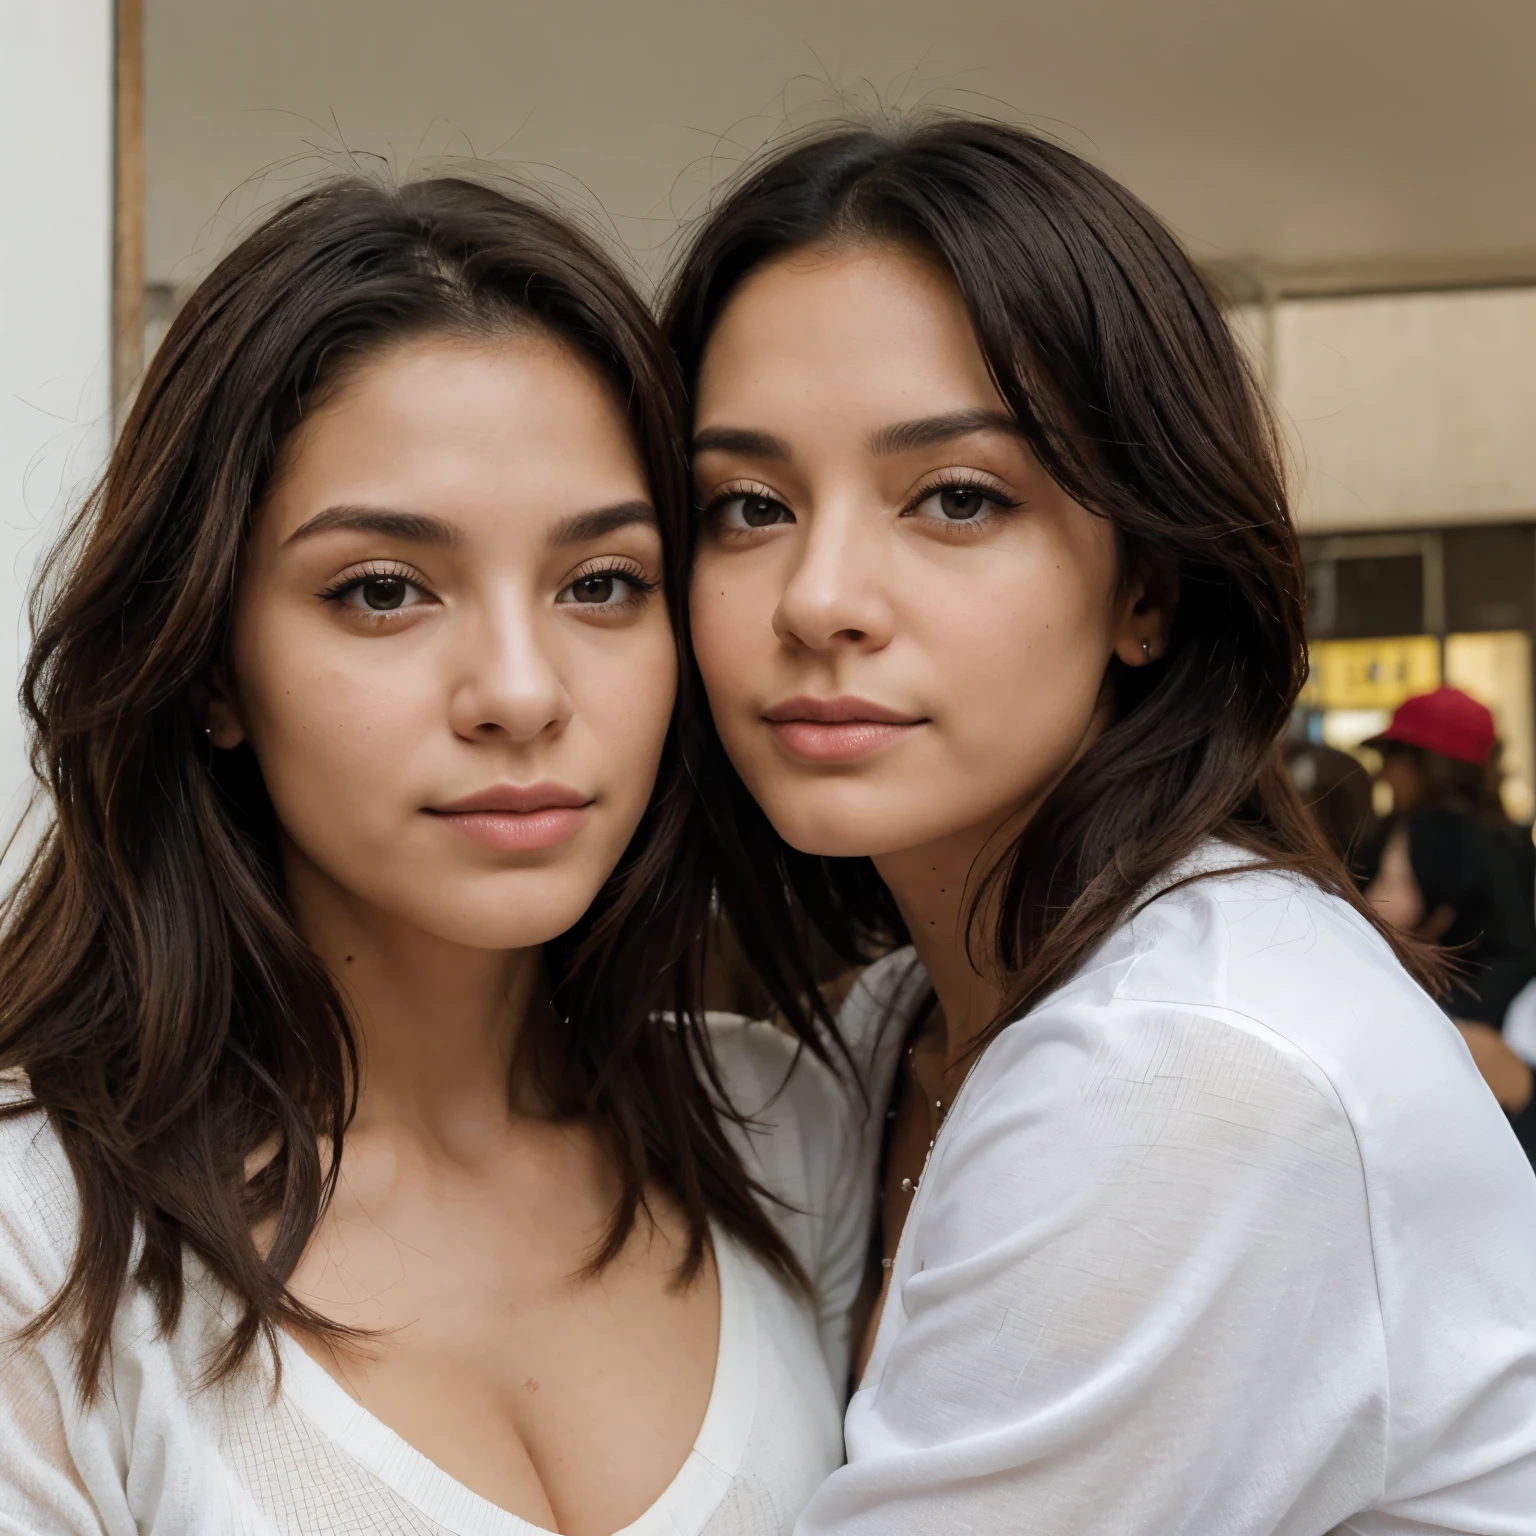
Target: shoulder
(39, 1207)
(1270, 955)
(761, 1063)
(1243, 1121)
(1120, 1093)
(1138, 1148)
(790, 1114)
(1247, 1032)
(882, 1001)
(876, 1015)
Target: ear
(1145, 617)
(221, 717)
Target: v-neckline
(684, 1505)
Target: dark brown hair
(168, 1016)
(1126, 383)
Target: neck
(437, 1023)
(935, 888)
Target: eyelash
(957, 480)
(343, 586)
(736, 492)
(620, 570)
(340, 589)
(963, 480)
(710, 513)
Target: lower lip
(839, 741)
(517, 831)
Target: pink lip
(516, 818)
(836, 730)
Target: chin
(521, 918)
(838, 831)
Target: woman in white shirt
(999, 610)
(365, 1163)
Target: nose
(835, 595)
(507, 683)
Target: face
(1401, 774)
(451, 655)
(902, 623)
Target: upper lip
(516, 797)
(840, 710)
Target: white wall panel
(56, 193)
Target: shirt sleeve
(1135, 1295)
(41, 1417)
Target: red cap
(1446, 721)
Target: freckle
(349, 959)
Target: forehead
(881, 330)
(466, 430)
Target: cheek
(731, 618)
(1020, 651)
(334, 727)
(624, 696)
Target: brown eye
(759, 512)
(960, 503)
(618, 591)
(738, 512)
(382, 593)
(378, 593)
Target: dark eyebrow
(594, 525)
(412, 527)
(420, 528)
(757, 445)
(927, 431)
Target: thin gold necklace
(909, 1187)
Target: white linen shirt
(1227, 1237)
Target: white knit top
(158, 1455)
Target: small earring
(1146, 651)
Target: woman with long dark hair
(365, 1163)
(1196, 1215)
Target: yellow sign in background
(1370, 674)
(1358, 683)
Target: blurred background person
(1454, 870)
(1336, 790)
(1441, 752)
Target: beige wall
(1409, 409)
(1290, 143)
(1291, 134)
